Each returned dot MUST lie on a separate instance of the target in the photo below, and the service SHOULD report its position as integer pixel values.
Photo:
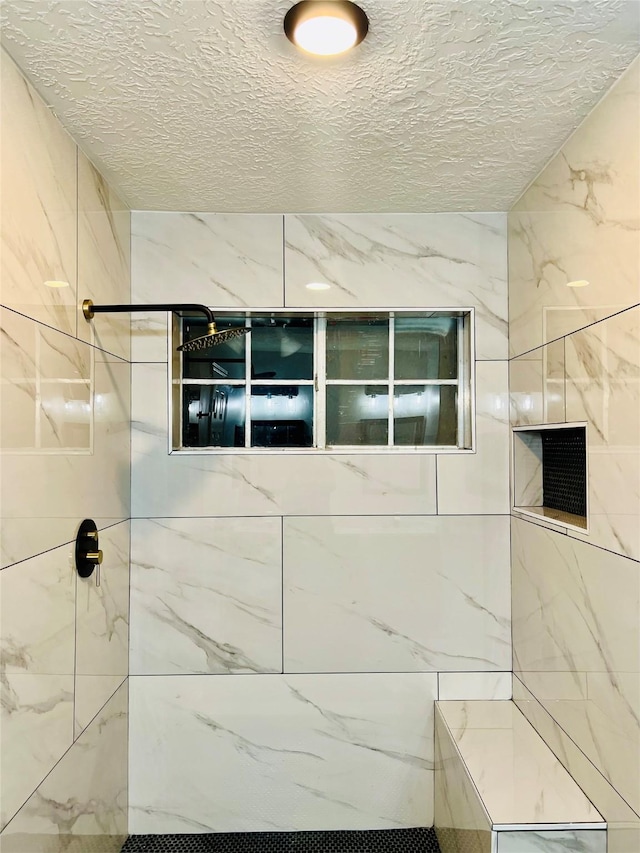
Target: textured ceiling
(204, 104)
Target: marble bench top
(519, 779)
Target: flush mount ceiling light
(325, 27)
(318, 285)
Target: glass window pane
(357, 414)
(282, 348)
(213, 416)
(425, 415)
(282, 416)
(426, 348)
(358, 348)
(224, 361)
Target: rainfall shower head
(212, 338)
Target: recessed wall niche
(550, 473)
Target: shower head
(212, 338)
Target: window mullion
(462, 385)
(392, 370)
(247, 385)
(320, 373)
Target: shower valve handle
(88, 554)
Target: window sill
(319, 451)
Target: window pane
(426, 348)
(282, 348)
(357, 414)
(224, 361)
(358, 349)
(282, 416)
(213, 416)
(425, 414)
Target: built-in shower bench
(500, 789)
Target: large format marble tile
(623, 824)
(37, 608)
(577, 645)
(76, 402)
(518, 778)
(102, 627)
(479, 483)
(221, 260)
(474, 685)
(273, 752)
(603, 388)
(39, 205)
(365, 594)
(82, 805)
(460, 819)
(206, 595)
(187, 484)
(553, 841)
(403, 261)
(579, 220)
(537, 386)
(104, 260)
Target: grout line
(580, 750)
(64, 754)
(66, 334)
(575, 331)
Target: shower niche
(550, 473)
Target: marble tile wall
(579, 221)
(65, 455)
(576, 357)
(318, 753)
(306, 586)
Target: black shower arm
(89, 309)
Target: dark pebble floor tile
(371, 841)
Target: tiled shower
(271, 631)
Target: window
(334, 380)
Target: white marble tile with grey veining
(37, 603)
(537, 386)
(553, 841)
(577, 645)
(603, 388)
(579, 221)
(206, 596)
(396, 594)
(72, 459)
(474, 685)
(479, 483)
(104, 260)
(82, 804)
(527, 469)
(259, 753)
(221, 260)
(518, 778)
(403, 261)
(461, 821)
(102, 627)
(187, 484)
(623, 824)
(39, 206)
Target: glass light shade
(325, 36)
(325, 27)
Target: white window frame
(465, 382)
